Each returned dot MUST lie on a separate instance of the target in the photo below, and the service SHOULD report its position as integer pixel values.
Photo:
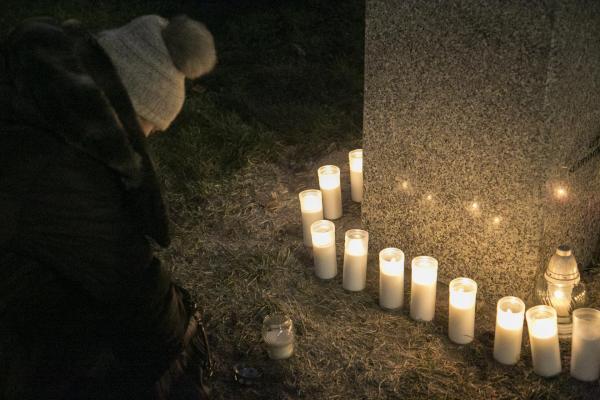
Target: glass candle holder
(585, 345)
(543, 338)
(356, 174)
(355, 260)
(278, 335)
(323, 242)
(461, 318)
(311, 206)
(391, 278)
(423, 288)
(329, 182)
(559, 285)
(508, 338)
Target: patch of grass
(289, 74)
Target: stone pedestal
(482, 134)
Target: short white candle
(356, 174)
(585, 345)
(461, 319)
(278, 335)
(280, 344)
(543, 338)
(323, 241)
(329, 182)
(423, 288)
(391, 278)
(355, 260)
(311, 207)
(510, 314)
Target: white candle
(543, 338)
(510, 313)
(323, 241)
(329, 182)
(311, 207)
(356, 174)
(461, 320)
(423, 288)
(355, 260)
(585, 346)
(391, 278)
(280, 344)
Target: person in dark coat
(86, 310)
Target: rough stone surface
(489, 102)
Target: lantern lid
(562, 267)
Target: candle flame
(560, 193)
(312, 203)
(356, 247)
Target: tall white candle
(391, 278)
(585, 345)
(461, 321)
(510, 313)
(423, 288)
(356, 174)
(543, 338)
(311, 206)
(355, 260)
(323, 241)
(329, 182)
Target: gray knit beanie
(153, 56)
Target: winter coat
(79, 200)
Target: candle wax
(280, 344)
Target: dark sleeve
(74, 220)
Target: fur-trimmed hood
(57, 79)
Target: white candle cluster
(320, 206)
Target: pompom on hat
(153, 56)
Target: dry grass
(241, 253)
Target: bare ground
(239, 249)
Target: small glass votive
(423, 288)
(323, 242)
(508, 338)
(543, 337)
(355, 260)
(356, 174)
(278, 335)
(329, 183)
(585, 345)
(311, 207)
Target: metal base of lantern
(564, 331)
